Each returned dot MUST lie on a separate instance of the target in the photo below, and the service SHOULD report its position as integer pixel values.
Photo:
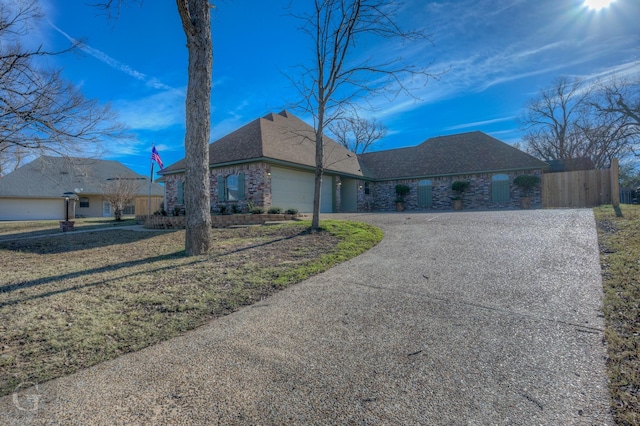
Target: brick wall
(257, 187)
(477, 196)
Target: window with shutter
(425, 198)
(500, 189)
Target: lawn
(619, 239)
(77, 299)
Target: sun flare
(597, 4)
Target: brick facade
(381, 196)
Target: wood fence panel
(141, 205)
(583, 188)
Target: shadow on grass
(86, 225)
(49, 243)
(114, 267)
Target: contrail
(113, 63)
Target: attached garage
(294, 189)
(31, 209)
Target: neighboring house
(271, 162)
(35, 190)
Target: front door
(106, 209)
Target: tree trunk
(315, 221)
(196, 21)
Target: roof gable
(281, 137)
(50, 177)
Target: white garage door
(25, 209)
(294, 189)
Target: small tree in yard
(336, 76)
(121, 192)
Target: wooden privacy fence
(142, 208)
(583, 188)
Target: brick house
(271, 162)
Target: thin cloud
(480, 123)
(113, 63)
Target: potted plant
(459, 186)
(401, 191)
(526, 183)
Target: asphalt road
(468, 318)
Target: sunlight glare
(597, 4)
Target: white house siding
(31, 209)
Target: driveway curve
(467, 318)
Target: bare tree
(561, 123)
(40, 112)
(337, 77)
(120, 192)
(619, 99)
(357, 134)
(196, 23)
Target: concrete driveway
(455, 318)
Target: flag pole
(150, 182)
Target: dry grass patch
(74, 300)
(619, 239)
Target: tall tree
(336, 77)
(620, 98)
(40, 112)
(562, 123)
(196, 23)
(357, 134)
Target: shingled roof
(50, 177)
(465, 153)
(281, 138)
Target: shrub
(401, 191)
(275, 210)
(526, 182)
(291, 211)
(460, 186)
(222, 208)
(235, 209)
(256, 210)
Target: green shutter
(240, 186)
(424, 193)
(220, 188)
(424, 196)
(180, 192)
(500, 189)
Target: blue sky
(497, 54)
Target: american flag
(156, 157)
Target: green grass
(71, 301)
(619, 239)
(11, 229)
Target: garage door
(26, 209)
(294, 189)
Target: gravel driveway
(455, 318)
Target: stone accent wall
(218, 221)
(257, 187)
(477, 196)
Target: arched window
(84, 202)
(425, 198)
(500, 189)
(231, 187)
